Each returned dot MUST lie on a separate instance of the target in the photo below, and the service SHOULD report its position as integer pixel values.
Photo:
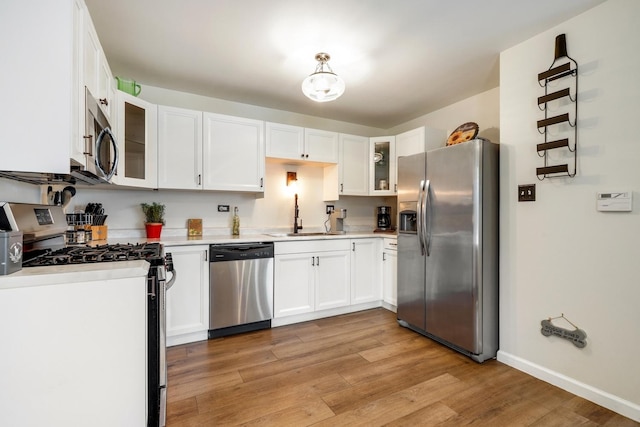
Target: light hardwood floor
(358, 369)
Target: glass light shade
(323, 86)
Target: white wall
(483, 109)
(558, 254)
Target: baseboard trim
(600, 397)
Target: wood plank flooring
(358, 369)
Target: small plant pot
(154, 229)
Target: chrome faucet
(296, 216)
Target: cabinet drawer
(311, 246)
(390, 244)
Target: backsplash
(272, 212)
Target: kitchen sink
(318, 233)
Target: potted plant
(154, 219)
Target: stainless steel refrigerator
(448, 246)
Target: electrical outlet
(223, 208)
(330, 208)
(527, 193)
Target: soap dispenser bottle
(235, 228)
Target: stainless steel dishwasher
(240, 288)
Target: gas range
(151, 252)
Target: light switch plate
(527, 193)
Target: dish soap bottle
(235, 228)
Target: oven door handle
(173, 279)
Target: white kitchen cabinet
(294, 284)
(39, 65)
(310, 276)
(390, 271)
(72, 347)
(200, 150)
(179, 148)
(137, 142)
(233, 153)
(419, 140)
(302, 144)
(366, 270)
(321, 146)
(284, 141)
(354, 165)
(332, 271)
(382, 163)
(97, 76)
(188, 298)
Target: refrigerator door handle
(427, 217)
(420, 215)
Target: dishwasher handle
(239, 252)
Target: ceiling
(400, 59)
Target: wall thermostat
(615, 201)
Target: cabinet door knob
(104, 101)
(306, 156)
(302, 155)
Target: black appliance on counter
(44, 229)
(384, 218)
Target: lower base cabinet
(366, 270)
(188, 298)
(390, 272)
(311, 275)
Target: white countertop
(243, 238)
(51, 275)
(74, 273)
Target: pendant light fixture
(323, 85)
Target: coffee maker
(384, 218)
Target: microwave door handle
(99, 141)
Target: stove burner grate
(101, 253)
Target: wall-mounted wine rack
(562, 72)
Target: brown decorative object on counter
(194, 226)
(98, 232)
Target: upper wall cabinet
(179, 148)
(297, 143)
(284, 141)
(233, 151)
(353, 166)
(209, 151)
(419, 140)
(97, 76)
(137, 142)
(321, 146)
(39, 65)
(382, 169)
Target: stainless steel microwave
(100, 146)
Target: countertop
(243, 238)
(51, 275)
(74, 273)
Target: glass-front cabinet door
(382, 170)
(137, 142)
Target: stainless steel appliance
(101, 149)
(336, 221)
(44, 227)
(384, 218)
(448, 246)
(241, 288)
